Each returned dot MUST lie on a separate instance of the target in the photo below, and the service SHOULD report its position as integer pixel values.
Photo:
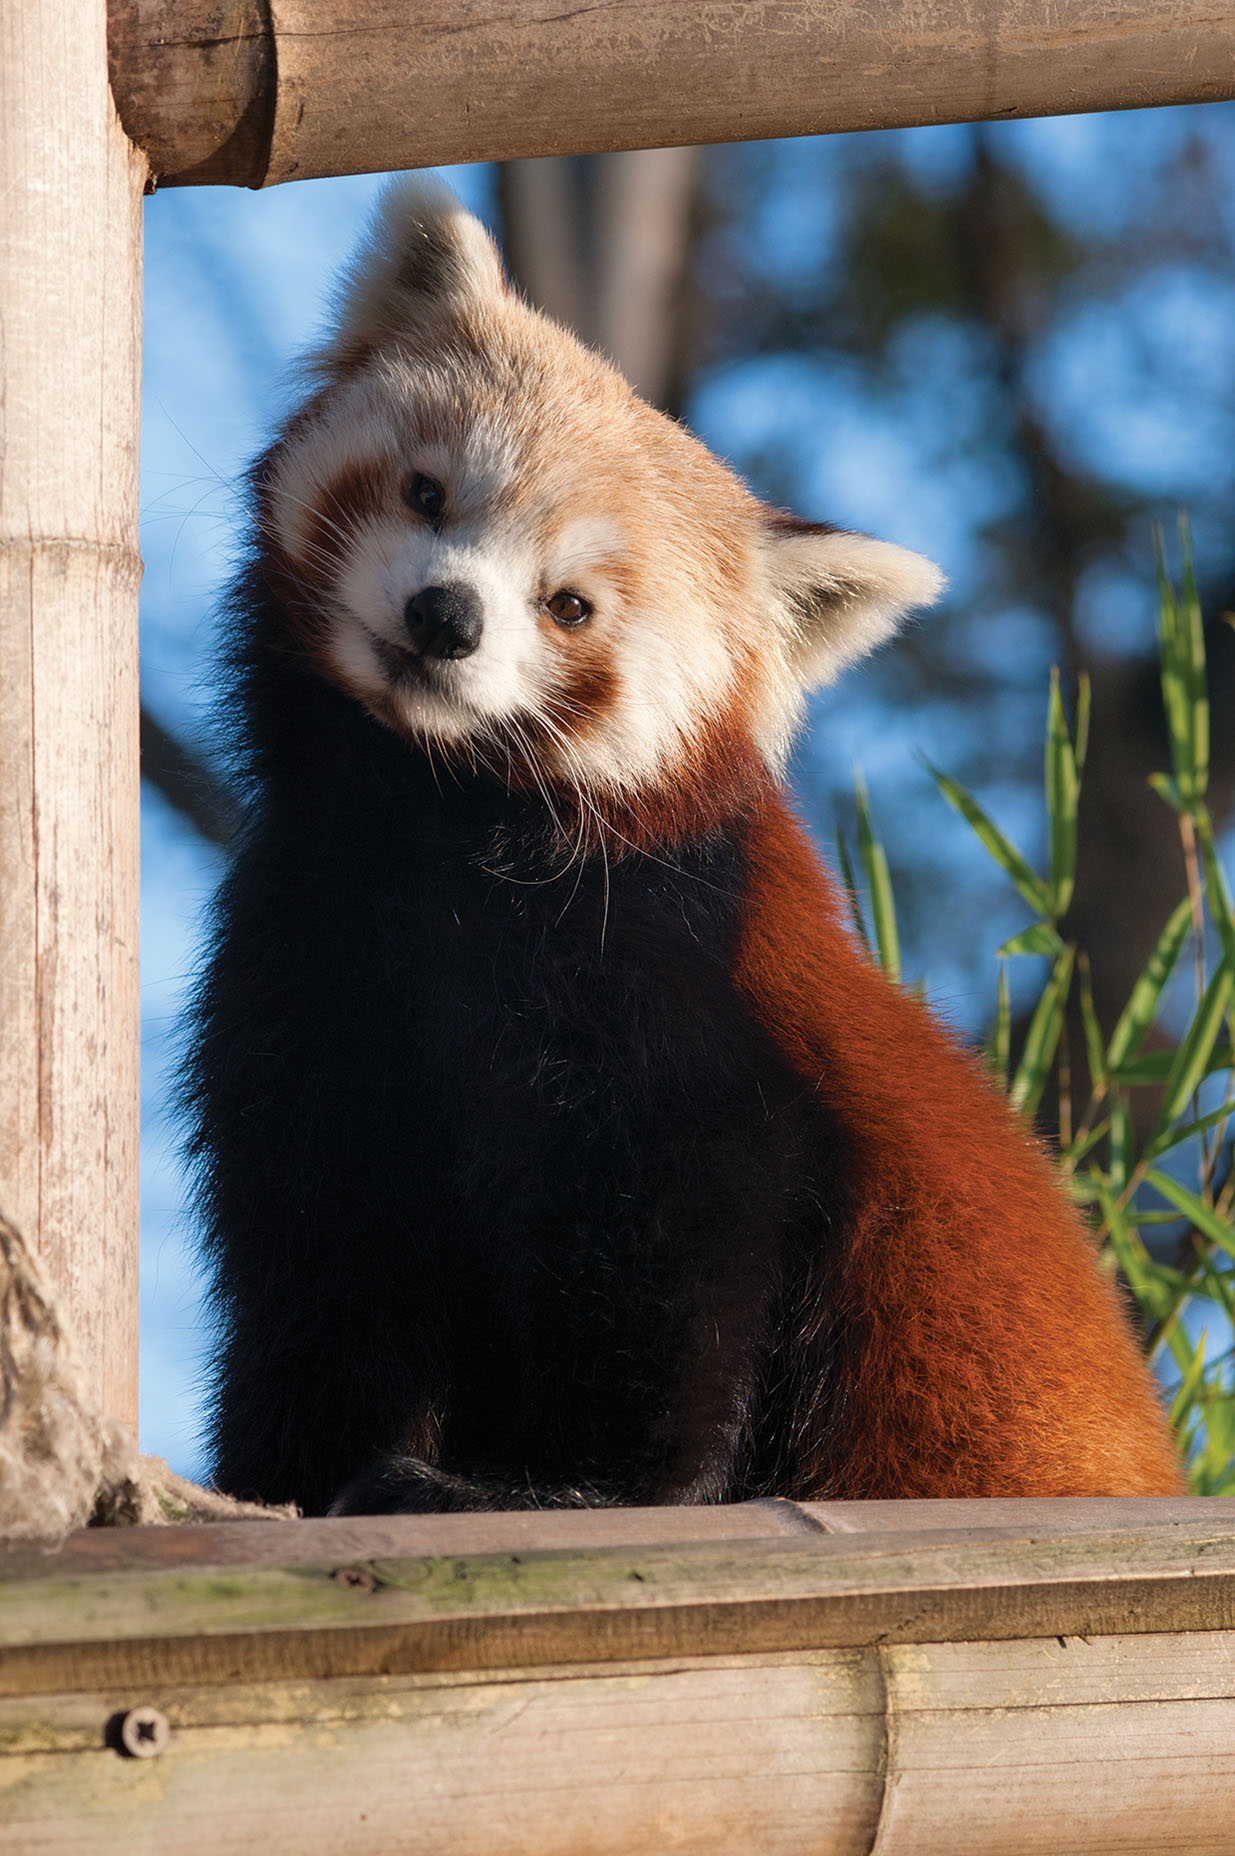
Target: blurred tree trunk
(1130, 870)
(603, 242)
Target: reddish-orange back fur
(988, 1356)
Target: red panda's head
(497, 548)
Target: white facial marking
(591, 541)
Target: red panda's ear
(839, 594)
(423, 256)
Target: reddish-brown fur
(988, 1355)
(964, 1341)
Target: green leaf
(1218, 1285)
(1138, 1014)
(1039, 938)
(1219, 896)
(1094, 1051)
(851, 888)
(1206, 1220)
(1122, 1146)
(1062, 793)
(1167, 789)
(1042, 1038)
(1193, 1054)
(999, 1043)
(1153, 1296)
(1083, 1144)
(1192, 644)
(1006, 855)
(1181, 634)
(879, 883)
(1155, 1066)
(1191, 1382)
(1081, 730)
(1187, 1131)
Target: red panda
(556, 1143)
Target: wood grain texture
(365, 85)
(343, 1538)
(194, 85)
(1119, 1744)
(901, 1681)
(70, 276)
(432, 1612)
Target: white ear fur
(840, 594)
(422, 254)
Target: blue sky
(236, 284)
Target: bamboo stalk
(228, 90)
(828, 1679)
(70, 271)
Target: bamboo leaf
(1193, 1054)
(1076, 1151)
(1138, 1014)
(1121, 1150)
(1062, 792)
(1192, 652)
(879, 885)
(1166, 788)
(988, 833)
(1220, 906)
(1084, 697)
(1186, 1131)
(1219, 1285)
(999, 1043)
(1171, 671)
(1153, 1297)
(1155, 1066)
(1039, 938)
(1094, 1051)
(1181, 634)
(1042, 1038)
(1191, 1382)
(1203, 1217)
(851, 888)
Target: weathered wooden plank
(261, 1543)
(1121, 1744)
(255, 1543)
(704, 1759)
(1110, 1745)
(483, 1611)
(223, 90)
(70, 291)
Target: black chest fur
(499, 1172)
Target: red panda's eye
(427, 495)
(568, 608)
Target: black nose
(444, 621)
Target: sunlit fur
(556, 1143)
(710, 618)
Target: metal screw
(356, 1578)
(144, 1733)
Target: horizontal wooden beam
(258, 91)
(249, 1601)
(831, 1678)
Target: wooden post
(70, 284)
(254, 93)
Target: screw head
(356, 1578)
(144, 1733)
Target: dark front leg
(295, 1419)
(401, 1484)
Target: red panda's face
(493, 545)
